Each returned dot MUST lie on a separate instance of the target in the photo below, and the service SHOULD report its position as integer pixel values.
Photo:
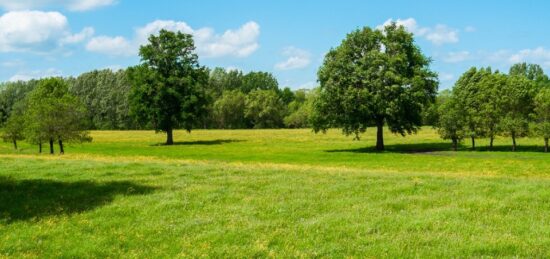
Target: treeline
(235, 100)
(486, 104)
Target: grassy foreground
(274, 193)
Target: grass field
(274, 193)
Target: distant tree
(375, 77)
(53, 114)
(287, 95)
(542, 116)
(451, 121)
(259, 81)
(105, 94)
(229, 110)
(300, 109)
(532, 72)
(517, 103)
(265, 109)
(430, 114)
(168, 87)
(14, 128)
(10, 94)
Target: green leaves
(374, 77)
(168, 87)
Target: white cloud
(36, 74)
(438, 35)
(13, 63)
(26, 30)
(237, 43)
(456, 57)
(37, 31)
(73, 5)
(78, 37)
(538, 55)
(114, 46)
(296, 59)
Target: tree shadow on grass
(399, 148)
(24, 200)
(202, 142)
(420, 148)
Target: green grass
(274, 193)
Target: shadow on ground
(22, 200)
(203, 142)
(436, 147)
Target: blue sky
(41, 38)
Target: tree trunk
(380, 135)
(491, 143)
(169, 137)
(513, 141)
(51, 146)
(15, 144)
(546, 145)
(40, 147)
(61, 150)
(455, 144)
(473, 143)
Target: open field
(279, 193)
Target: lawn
(274, 193)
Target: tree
(259, 81)
(490, 104)
(265, 109)
(542, 116)
(450, 123)
(105, 94)
(532, 72)
(10, 94)
(300, 109)
(229, 110)
(375, 77)
(469, 93)
(53, 114)
(15, 125)
(168, 87)
(517, 103)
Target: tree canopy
(375, 77)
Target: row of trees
(47, 114)
(485, 104)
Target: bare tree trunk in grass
(61, 150)
(15, 144)
(40, 147)
(380, 135)
(491, 143)
(546, 145)
(513, 141)
(169, 137)
(473, 143)
(51, 147)
(455, 144)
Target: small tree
(451, 121)
(15, 126)
(53, 114)
(542, 116)
(167, 91)
(265, 109)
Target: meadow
(274, 193)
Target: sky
(289, 38)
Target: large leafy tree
(375, 77)
(54, 114)
(490, 113)
(168, 87)
(542, 116)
